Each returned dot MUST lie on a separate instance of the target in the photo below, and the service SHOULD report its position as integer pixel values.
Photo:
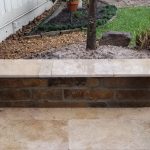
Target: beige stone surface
(101, 68)
(130, 67)
(46, 68)
(75, 68)
(33, 135)
(25, 68)
(12, 68)
(75, 129)
(108, 134)
(69, 68)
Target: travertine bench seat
(75, 83)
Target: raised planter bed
(75, 83)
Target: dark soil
(64, 17)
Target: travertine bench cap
(75, 68)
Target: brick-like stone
(75, 92)
(133, 83)
(62, 104)
(74, 82)
(15, 94)
(44, 104)
(88, 94)
(21, 83)
(93, 82)
(128, 103)
(67, 82)
(133, 95)
(47, 94)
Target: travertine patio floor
(75, 129)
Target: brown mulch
(20, 48)
(17, 46)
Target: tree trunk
(91, 31)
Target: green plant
(78, 14)
(143, 40)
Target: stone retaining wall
(75, 92)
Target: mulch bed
(79, 19)
(78, 51)
(20, 48)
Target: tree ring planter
(75, 83)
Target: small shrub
(143, 40)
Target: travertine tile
(81, 68)
(53, 114)
(74, 129)
(99, 68)
(19, 68)
(34, 135)
(41, 114)
(69, 68)
(72, 113)
(130, 67)
(109, 134)
(46, 68)
(5, 133)
(12, 114)
(75, 68)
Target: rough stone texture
(86, 94)
(18, 83)
(115, 38)
(15, 94)
(75, 92)
(133, 95)
(47, 94)
(75, 129)
(67, 82)
(130, 83)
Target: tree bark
(91, 31)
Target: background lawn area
(133, 20)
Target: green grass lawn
(133, 20)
